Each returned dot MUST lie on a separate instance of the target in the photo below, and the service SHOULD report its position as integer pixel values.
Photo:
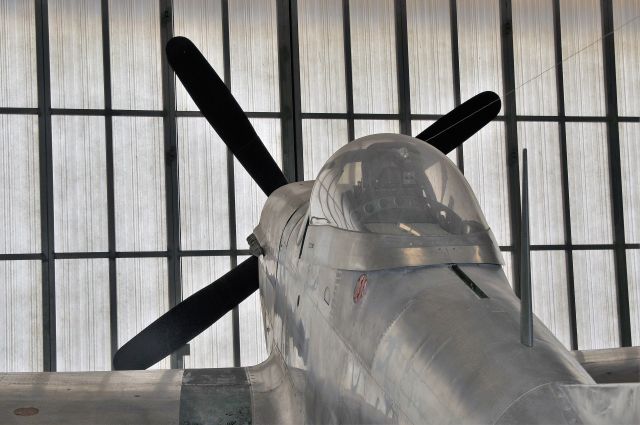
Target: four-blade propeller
(196, 313)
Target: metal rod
(226, 58)
(111, 220)
(615, 172)
(509, 102)
(566, 204)
(526, 301)
(402, 64)
(46, 188)
(348, 71)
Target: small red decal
(361, 288)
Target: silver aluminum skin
(420, 346)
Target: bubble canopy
(392, 184)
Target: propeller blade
(451, 130)
(224, 114)
(189, 318)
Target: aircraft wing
(611, 365)
(258, 394)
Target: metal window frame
(291, 117)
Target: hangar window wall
(118, 199)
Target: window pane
(363, 128)
(486, 170)
(633, 274)
(214, 346)
(79, 184)
(508, 266)
(75, 43)
(550, 297)
(596, 303)
(134, 34)
(201, 22)
(630, 158)
(545, 181)
(20, 188)
(534, 57)
(142, 297)
(321, 39)
(582, 57)
(320, 139)
(254, 54)
(21, 318)
(249, 197)
(18, 85)
(479, 47)
(204, 202)
(589, 183)
(373, 56)
(83, 338)
(253, 347)
(430, 65)
(138, 157)
(627, 40)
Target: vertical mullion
(615, 173)
(455, 65)
(111, 226)
(46, 187)
(171, 166)
(571, 295)
(226, 57)
(509, 97)
(348, 72)
(402, 64)
(289, 70)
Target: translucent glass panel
(550, 296)
(582, 57)
(249, 197)
(596, 304)
(479, 47)
(253, 38)
(629, 159)
(204, 202)
(633, 275)
(83, 338)
(373, 56)
(430, 60)
(534, 57)
(627, 41)
(142, 296)
(363, 128)
(589, 196)
(201, 22)
(139, 180)
(20, 316)
(79, 184)
(320, 139)
(486, 171)
(134, 34)
(20, 188)
(75, 51)
(18, 85)
(213, 347)
(321, 55)
(418, 126)
(507, 267)
(545, 181)
(253, 347)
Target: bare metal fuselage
(420, 346)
